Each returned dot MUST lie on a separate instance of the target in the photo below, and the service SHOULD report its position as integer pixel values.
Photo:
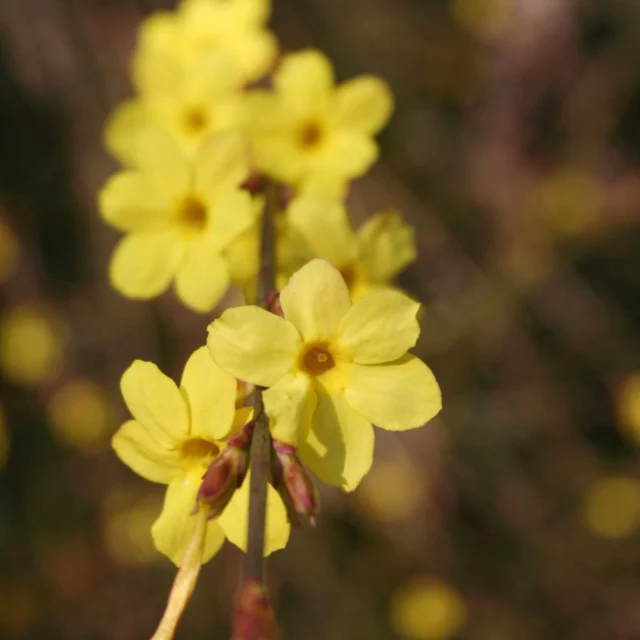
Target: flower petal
(316, 300)
(339, 449)
(234, 519)
(347, 153)
(155, 401)
(305, 81)
(172, 531)
(325, 228)
(387, 245)
(203, 278)
(397, 396)
(121, 131)
(231, 213)
(379, 327)
(363, 104)
(140, 450)
(144, 264)
(130, 202)
(254, 345)
(211, 396)
(222, 160)
(289, 405)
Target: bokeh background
(515, 152)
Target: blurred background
(515, 152)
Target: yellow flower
(201, 27)
(174, 436)
(612, 507)
(333, 368)
(190, 100)
(369, 258)
(312, 134)
(179, 216)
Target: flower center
(195, 120)
(310, 135)
(192, 214)
(348, 274)
(198, 449)
(317, 359)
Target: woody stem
(261, 443)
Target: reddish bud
(253, 617)
(296, 488)
(273, 303)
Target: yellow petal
(348, 154)
(325, 227)
(121, 131)
(130, 202)
(155, 401)
(203, 278)
(289, 405)
(363, 104)
(222, 161)
(254, 345)
(305, 80)
(234, 519)
(173, 530)
(144, 264)
(231, 213)
(339, 449)
(379, 327)
(316, 300)
(397, 396)
(387, 245)
(140, 450)
(211, 396)
(255, 52)
(157, 73)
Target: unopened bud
(253, 617)
(226, 473)
(296, 488)
(273, 303)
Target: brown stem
(261, 443)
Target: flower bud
(296, 488)
(226, 473)
(253, 618)
(273, 303)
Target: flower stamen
(317, 359)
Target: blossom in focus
(367, 259)
(201, 27)
(332, 367)
(174, 436)
(180, 216)
(311, 133)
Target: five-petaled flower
(174, 436)
(332, 367)
(180, 217)
(310, 133)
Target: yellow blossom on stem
(367, 259)
(180, 216)
(175, 435)
(332, 368)
(311, 133)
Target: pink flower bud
(253, 618)
(273, 303)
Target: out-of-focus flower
(191, 101)
(253, 618)
(367, 259)
(5, 438)
(9, 251)
(483, 18)
(201, 27)
(612, 507)
(180, 217)
(333, 369)
(628, 406)
(80, 414)
(32, 344)
(427, 610)
(175, 435)
(310, 133)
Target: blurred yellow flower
(32, 344)
(628, 406)
(333, 368)
(5, 438)
(180, 217)
(367, 259)
(312, 134)
(80, 414)
(427, 610)
(483, 18)
(612, 507)
(174, 436)
(199, 28)
(9, 251)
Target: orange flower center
(310, 135)
(192, 214)
(317, 359)
(198, 448)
